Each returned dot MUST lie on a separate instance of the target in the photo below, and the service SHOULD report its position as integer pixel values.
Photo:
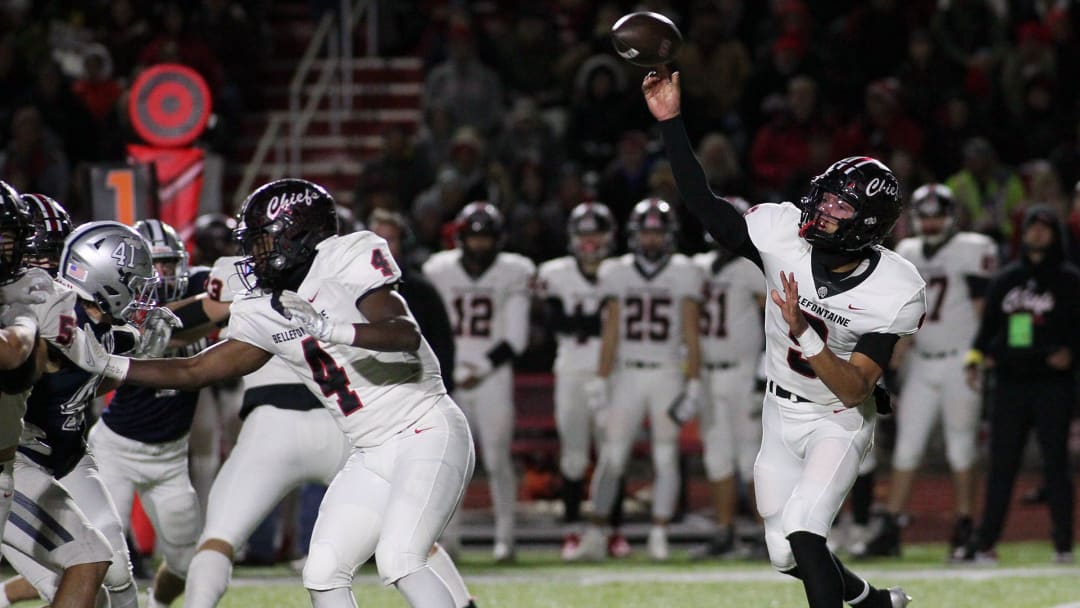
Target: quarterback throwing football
(838, 304)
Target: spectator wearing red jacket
(882, 128)
(97, 89)
(793, 145)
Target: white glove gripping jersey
(650, 307)
(372, 395)
(890, 299)
(56, 315)
(484, 310)
(562, 278)
(730, 313)
(950, 318)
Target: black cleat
(886, 543)
(721, 546)
(961, 536)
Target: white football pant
(392, 501)
(730, 431)
(936, 389)
(809, 459)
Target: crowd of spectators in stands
(528, 106)
(65, 67)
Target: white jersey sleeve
(224, 283)
(772, 224)
(910, 316)
(519, 287)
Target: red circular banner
(169, 105)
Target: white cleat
(897, 597)
(658, 544)
(503, 553)
(592, 547)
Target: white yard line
(589, 577)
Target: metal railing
(331, 52)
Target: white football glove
(300, 310)
(469, 369)
(87, 352)
(688, 403)
(597, 398)
(31, 288)
(17, 313)
(157, 330)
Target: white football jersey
(730, 314)
(56, 315)
(484, 310)
(650, 307)
(562, 278)
(950, 317)
(372, 395)
(889, 298)
(224, 285)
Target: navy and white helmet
(166, 247)
(15, 233)
(109, 264)
(50, 225)
(869, 188)
(652, 214)
(590, 218)
(933, 201)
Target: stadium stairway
(385, 90)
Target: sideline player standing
(412, 451)
(487, 294)
(568, 286)
(649, 354)
(826, 345)
(731, 340)
(956, 267)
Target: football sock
(572, 492)
(424, 588)
(439, 561)
(821, 577)
(342, 597)
(862, 497)
(615, 517)
(208, 578)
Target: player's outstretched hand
(789, 304)
(86, 351)
(300, 310)
(661, 89)
(157, 330)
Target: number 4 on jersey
(379, 262)
(330, 377)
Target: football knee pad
(395, 561)
(324, 569)
(779, 548)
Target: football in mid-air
(646, 39)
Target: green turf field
(1025, 579)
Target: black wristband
(501, 353)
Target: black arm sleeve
(192, 314)
(722, 220)
(500, 353)
(557, 319)
(879, 347)
(976, 286)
